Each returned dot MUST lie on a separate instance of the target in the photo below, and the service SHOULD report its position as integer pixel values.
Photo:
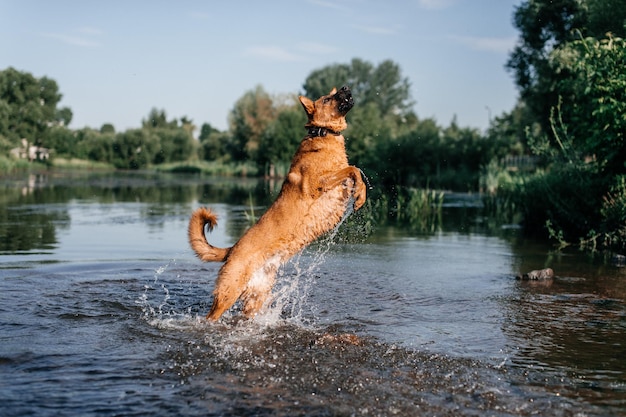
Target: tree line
(568, 65)
(385, 136)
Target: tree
(367, 128)
(63, 116)
(157, 118)
(412, 158)
(510, 131)
(188, 126)
(27, 105)
(173, 145)
(605, 16)
(98, 146)
(281, 138)
(214, 145)
(382, 85)
(389, 90)
(463, 151)
(205, 131)
(252, 113)
(174, 142)
(5, 117)
(134, 149)
(545, 25)
(212, 142)
(107, 128)
(63, 141)
(321, 81)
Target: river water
(102, 305)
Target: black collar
(315, 131)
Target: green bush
(134, 149)
(9, 165)
(593, 85)
(581, 195)
(567, 196)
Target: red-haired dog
(312, 201)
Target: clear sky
(116, 60)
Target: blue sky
(116, 60)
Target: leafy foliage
(381, 85)
(212, 142)
(158, 119)
(546, 25)
(134, 149)
(594, 85)
(281, 138)
(28, 105)
(96, 146)
(577, 198)
(384, 137)
(249, 118)
(569, 67)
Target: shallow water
(102, 306)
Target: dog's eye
(326, 100)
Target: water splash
(289, 303)
(156, 309)
(291, 293)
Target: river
(102, 308)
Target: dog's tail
(204, 250)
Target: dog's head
(329, 111)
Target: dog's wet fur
(313, 199)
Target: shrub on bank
(9, 165)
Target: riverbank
(12, 166)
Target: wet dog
(313, 199)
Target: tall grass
(420, 209)
(10, 165)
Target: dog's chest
(321, 154)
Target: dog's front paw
(360, 195)
(359, 200)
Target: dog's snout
(344, 98)
(344, 93)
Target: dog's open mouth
(344, 100)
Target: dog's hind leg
(259, 288)
(231, 283)
(254, 298)
(222, 301)
(252, 281)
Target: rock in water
(537, 275)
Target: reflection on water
(33, 209)
(102, 306)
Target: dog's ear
(309, 106)
(333, 91)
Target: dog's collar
(315, 131)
